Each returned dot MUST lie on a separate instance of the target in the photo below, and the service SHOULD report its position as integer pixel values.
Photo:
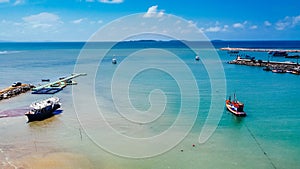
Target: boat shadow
(238, 120)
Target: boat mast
(234, 98)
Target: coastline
(62, 136)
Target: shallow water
(267, 138)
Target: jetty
(56, 86)
(260, 50)
(276, 67)
(14, 90)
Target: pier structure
(14, 90)
(262, 63)
(276, 67)
(56, 86)
(260, 50)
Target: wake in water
(5, 52)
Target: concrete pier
(283, 67)
(59, 82)
(260, 50)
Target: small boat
(293, 56)
(249, 57)
(233, 52)
(280, 53)
(235, 107)
(197, 58)
(296, 71)
(44, 109)
(279, 71)
(114, 61)
(267, 68)
(45, 80)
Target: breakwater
(260, 50)
(15, 90)
(276, 67)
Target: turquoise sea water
(267, 138)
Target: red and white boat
(235, 107)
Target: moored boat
(235, 107)
(279, 71)
(44, 109)
(267, 68)
(280, 53)
(114, 61)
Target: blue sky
(77, 20)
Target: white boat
(114, 61)
(44, 109)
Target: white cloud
(214, 29)
(160, 14)
(253, 27)
(217, 29)
(282, 24)
(267, 23)
(288, 22)
(153, 12)
(78, 21)
(19, 2)
(296, 20)
(110, 1)
(42, 20)
(191, 24)
(238, 25)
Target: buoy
(193, 145)
(181, 150)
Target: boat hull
(237, 113)
(42, 115)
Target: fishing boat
(235, 107)
(44, 109)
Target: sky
(78, 20)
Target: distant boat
(114, 61)
(293, 56)
(279, 71)
(233, 51)
(279, 53)
(249, 57)
(44, 109)
(296, 71)
(235, 107)
(45, 80)
(267, 68)
(197, 58)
